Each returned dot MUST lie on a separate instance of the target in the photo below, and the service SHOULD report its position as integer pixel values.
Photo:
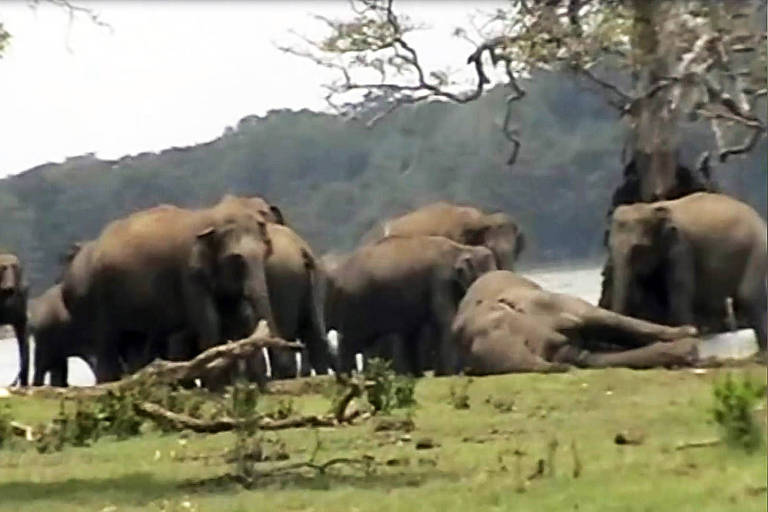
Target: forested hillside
(333, 179)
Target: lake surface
(583, 282)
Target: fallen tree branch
(167, 372)
(698, 444)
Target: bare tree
(658, 62)
(72, 9)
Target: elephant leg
(681, 284)
(20, 329)
(42, 361)
(625, 330)
(756, 312)
(411, 349)
(443, 312)
(283, 363)
(681, 352)
(60, 373)
(348, 349)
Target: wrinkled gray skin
(395, 287)
(13, 309)
(463, 224)
(170, 270)
(703, 248)
(507, 323)
(293, 280)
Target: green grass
(474, 467)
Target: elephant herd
(433, 289)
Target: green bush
(735, 401)
(386, 390)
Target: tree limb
(168, 372)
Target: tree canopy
(659, 63)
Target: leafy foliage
(459, 392)
(388, 390)
(733, 410)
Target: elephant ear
(203, 255)
(465, 272)
(476, 235)
(264, 234)
(668, 231)
(519, 243)
(277, 214)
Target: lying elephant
(697, 251)
(507, 323)
(396, 286)
(462, 224)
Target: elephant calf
(395, 287)
(507, 323)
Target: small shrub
(84, 427)
(459, 393)
(116, 415)
(244, 398)
(734, 403)
(388, 390)
(284, 408)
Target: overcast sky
(167, 73)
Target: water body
(583, 282)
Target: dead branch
(698, 444)
(179, 421)
(169, 372)
(22, 430)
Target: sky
(170, 73)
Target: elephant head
(255, 205)
(229, 259)
(472, 263)
(499, 233)
(640, 238)
(11, 276)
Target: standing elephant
(293, 280)
(462, 224)
(167, 270)
(397, 286)
(507, 323)
(56, 338)
(698, 250)
(13, 309)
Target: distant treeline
(334, 179)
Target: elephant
(506, 323)
(395, 287)
(13, 309)
(462, 224)
(56, 338)
(166, 270)
(697, 252)
(293, 281)
(646, 297)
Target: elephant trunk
(620, 285)
(319, 350)
(257, 294)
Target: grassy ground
(474, 466)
